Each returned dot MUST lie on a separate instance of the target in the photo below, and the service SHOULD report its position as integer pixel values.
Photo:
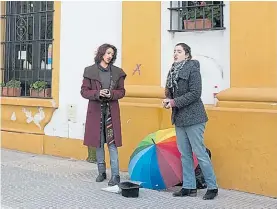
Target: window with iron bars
(196, 15)
(27, 49)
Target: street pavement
(38, 181)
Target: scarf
(106, 117)
(172, 77)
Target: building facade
(236, 45)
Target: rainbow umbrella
(156, 162)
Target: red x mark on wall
(137, 69)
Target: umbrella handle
(153, 141)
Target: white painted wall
(84, 26)
(211, 48)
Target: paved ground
(34, 181)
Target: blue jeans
(190, 139)
(100, 156)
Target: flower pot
(197, 24)
(11, 92)
(42, 93)
(4, 91)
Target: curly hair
(101, 52)
(186, 48)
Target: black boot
(185, 192)
(210, 194)
(102, 172)
(101, 177)
(114, 180)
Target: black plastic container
(129, 189)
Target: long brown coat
(90, 90)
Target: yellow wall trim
(251, 106)
(249, 94)
(144, 91)
(252, 98)
(41, 144)
(56, 52)
(30, 102)
(22, 141)
(64, 147)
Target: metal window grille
(27, 48)
(196, 15)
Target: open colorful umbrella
(156, 162)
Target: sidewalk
(35, 181)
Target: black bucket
(129, 189)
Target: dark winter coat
(189, 108)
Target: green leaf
(13, 84)
(38, 85)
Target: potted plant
(40, 89)
(201, 17)
(12, 88)
(4, 91)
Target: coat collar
(92, 72)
